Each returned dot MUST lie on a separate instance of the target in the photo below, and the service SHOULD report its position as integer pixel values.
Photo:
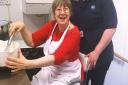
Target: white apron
(57, 74)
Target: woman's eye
(66, 8)
(58, 9)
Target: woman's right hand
(18, 63)
(16, 27)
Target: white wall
(121, 37)
(4, 13)
(12, 12)
(16, 10)
(118, 71)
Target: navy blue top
(93, 17)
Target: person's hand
(16, 27)
(17, 64)
(93, 57)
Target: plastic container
(11, 52)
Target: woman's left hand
(17, 64)
(93, 57)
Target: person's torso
(58, 39)
(87, 15)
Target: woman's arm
(21, 62)
(27, 36)
(17, 27)
(42, 62)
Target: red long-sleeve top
(69, 48)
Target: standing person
(61, 62)
(97, 21)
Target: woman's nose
(62, 11)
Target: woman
(61, 62)
(97, 21)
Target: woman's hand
(93, 57)
(17, 64)
(16, 27)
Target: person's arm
(105, 40)
(17, 27)
(31, 39)
(42, 62)
(27, 36)
(108, 13)
(21, 62)
(69, 48)
(103, 43)
(109, 19)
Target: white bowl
(11, 52)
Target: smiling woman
(61, 63)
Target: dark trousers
(97, 76)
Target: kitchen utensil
(9, 42)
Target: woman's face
(62, 14)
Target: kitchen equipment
(9, 42)
(4, 25)
(4, 29)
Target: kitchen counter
(17, 78)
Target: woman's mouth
(62, 17)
